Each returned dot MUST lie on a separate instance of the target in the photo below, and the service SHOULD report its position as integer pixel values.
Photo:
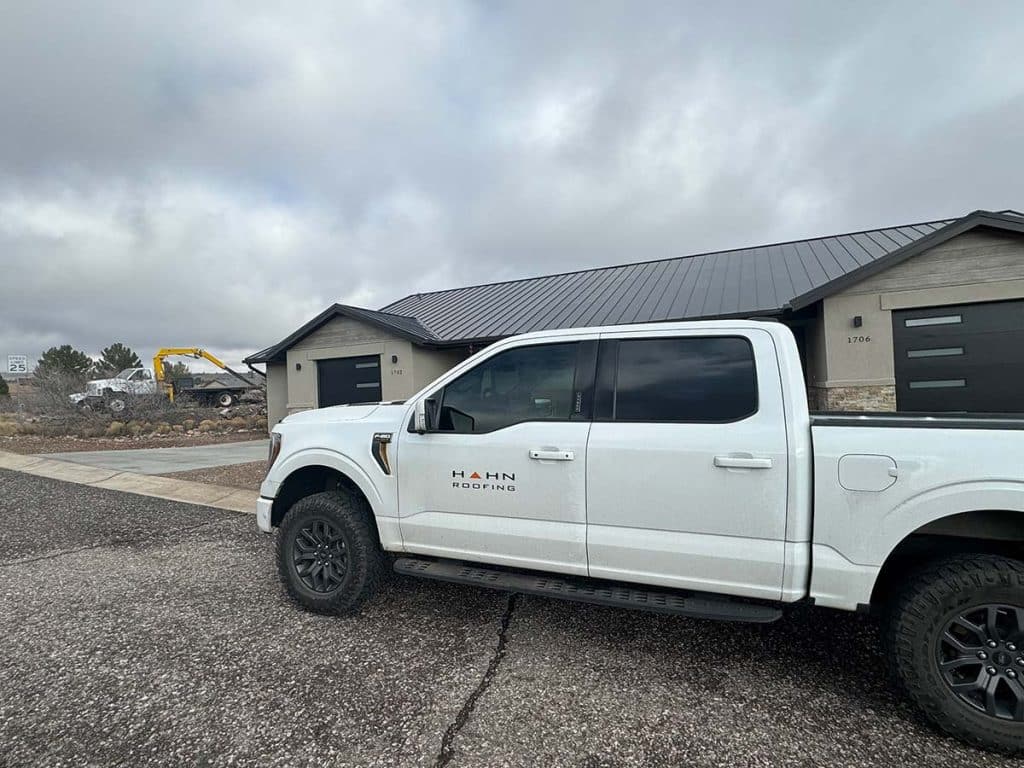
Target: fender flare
(322, 457)
(948, 501)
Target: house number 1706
(857, 339)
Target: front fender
(322, 457)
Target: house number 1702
(857, 339)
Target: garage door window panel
(939, 352)
(917, 322)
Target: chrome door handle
(742, 462)
(552, 455)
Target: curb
(188, 491)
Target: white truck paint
(130, 381)
(659, 503)
(919, 517)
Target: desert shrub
(115, 429)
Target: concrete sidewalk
(162, 461)
(205, 494)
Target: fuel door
(867, 472)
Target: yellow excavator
(223, 395)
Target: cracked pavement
(137, 631)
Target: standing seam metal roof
(748, 281)
(744, 282)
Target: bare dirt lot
(248, 476)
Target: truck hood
(338, 413)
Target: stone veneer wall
(868, 398)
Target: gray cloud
(213, 173)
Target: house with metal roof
(926, 316)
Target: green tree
(116, 358)
(4, 391)
(65, 361)
(177, 370)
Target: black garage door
(968, 357)
(348, 380)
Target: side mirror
(420, 420)
(426, 415)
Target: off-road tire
(932, 598)
(350, 518)
(225, 400)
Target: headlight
(275, 449)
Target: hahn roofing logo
(488, 481)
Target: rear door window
(693, 379)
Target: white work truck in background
(675, 467)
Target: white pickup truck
(675, 467)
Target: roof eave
(939, 236)
(276, 353)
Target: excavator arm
(193, 352)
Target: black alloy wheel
(954, 635)
(980, 655)
(328, 553)
(320, 555)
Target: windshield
(125, 374)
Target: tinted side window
(692, 379)
(524, 384)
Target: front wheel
(225, 399)
(956, 636)
(328, 556)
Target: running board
(695, 605)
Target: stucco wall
(293, 389)
(346, 337)
(974, 267)
(277, 393)
(431, 363)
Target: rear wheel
(328, 556)
(956, 637)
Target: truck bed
(881, 477)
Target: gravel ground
(145, 632)
(249, 476)
(32, 444)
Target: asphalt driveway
(137, 631)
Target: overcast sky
(216, 173)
